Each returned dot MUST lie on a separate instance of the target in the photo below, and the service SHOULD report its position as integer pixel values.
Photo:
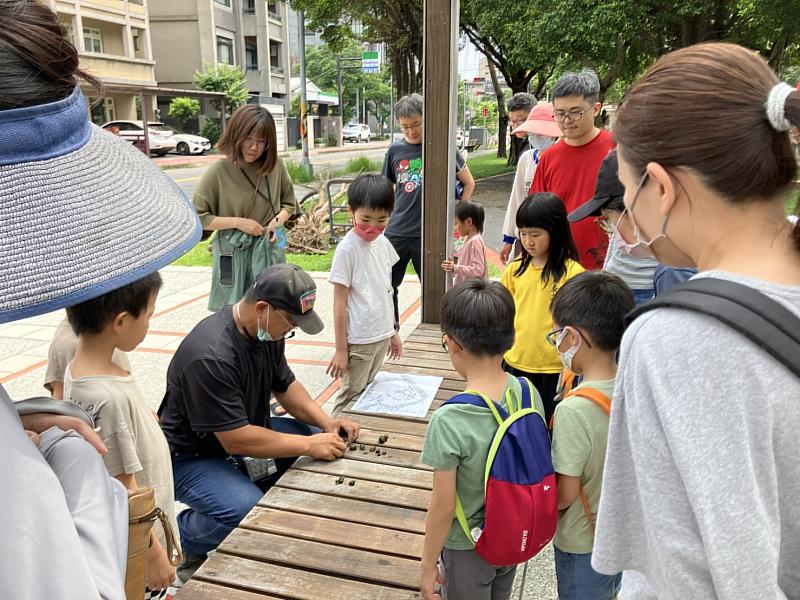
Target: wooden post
(438, 155)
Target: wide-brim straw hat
(82, 212)
(540, 121)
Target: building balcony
(119, 69)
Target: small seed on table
(383, 439)
(340, 481)
(352, 483)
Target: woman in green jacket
(246, 197)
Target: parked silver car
(356, 132)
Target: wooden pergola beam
(438, 151)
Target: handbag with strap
(142, 515)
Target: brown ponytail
(39, 64)
(703, 107)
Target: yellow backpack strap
(462, 520)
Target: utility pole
(305, 162)
(339, 90)
(391, 108)
(358, 104)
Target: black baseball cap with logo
(290, 288)
(608, 191)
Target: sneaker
(187, 568)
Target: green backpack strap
(462, 520)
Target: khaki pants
(363, 363)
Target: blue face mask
(540, 142)
(263, 334)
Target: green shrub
(212, 130)
(362, 163)
(297, 172)
(182, 109)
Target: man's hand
(428, 580)
(250, 227)
(160, 573)
(505, 252)
(41, 422)
(338, 365)
(395, 347)
(326, 446)
(350, 429)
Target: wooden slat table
(351, 529)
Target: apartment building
(251, 34)
(113, 42)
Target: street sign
(371, 62)
(485, 112)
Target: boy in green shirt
(588, 321)
(478, 328)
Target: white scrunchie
(776, 106)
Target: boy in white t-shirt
(361, 274)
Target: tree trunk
(502, 114)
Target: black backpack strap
(762, 320)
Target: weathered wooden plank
(315, 556)
(345, 509)
(389, 456)
(446, 373)
(296, 584)
(426, 354)
(358, 489)
(332, 531)
(429, 361)
(368, 471)
(393, 440)
(203, 590)
(391, 425)
(428, 327)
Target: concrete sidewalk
(181, 305)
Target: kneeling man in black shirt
(216, 409)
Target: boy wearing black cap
(629, 262)
(215, 410)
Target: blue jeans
(577, 580)
(219, 495)
(642, 296)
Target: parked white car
(161, 137)
(191, 144)
(356, 132)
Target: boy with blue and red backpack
(482, 522)
(588, 321)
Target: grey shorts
(469, 577)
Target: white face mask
(568, 355)
(540, 142)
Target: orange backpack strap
(603, 402)
(594, 395)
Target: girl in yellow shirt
(548, 258)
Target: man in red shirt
(569, 167)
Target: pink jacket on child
(471, 260)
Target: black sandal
(275, 408)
